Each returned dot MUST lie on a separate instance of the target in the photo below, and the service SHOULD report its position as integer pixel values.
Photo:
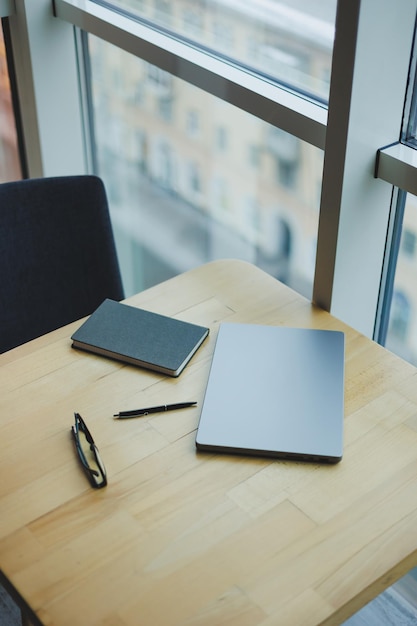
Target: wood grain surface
(180, 537)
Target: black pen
(153, 409)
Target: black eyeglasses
(88, 453)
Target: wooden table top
(180, 537)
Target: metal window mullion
(365, 110)
(397, 165)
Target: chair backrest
(57, 255)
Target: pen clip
(127, 414)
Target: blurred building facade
(227, 183)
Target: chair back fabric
(57, 255)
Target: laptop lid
(275, 391)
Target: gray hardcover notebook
(140, 337)
(275, 391)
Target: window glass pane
(191, 178)
(286, 40)
(402, 330)
(9, 157)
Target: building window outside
(254, 156)
(400, 317)
(408, 244)
(192, 123)
(287, 173)
(165, 107)
(221, 136)
(194, 178)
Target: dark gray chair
(57, 255)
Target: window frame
(356, 208)
(47, 81)
(358, 175)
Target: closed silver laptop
(275, 391)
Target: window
(192, 123)
(286, 41)
(361, 118)
(221, 138)
(401, 336)
(179, 175)
(194, 178)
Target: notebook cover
(140, 337)
(275, 391)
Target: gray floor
(388, 609)
(9, 613)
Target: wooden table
(180, 537)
